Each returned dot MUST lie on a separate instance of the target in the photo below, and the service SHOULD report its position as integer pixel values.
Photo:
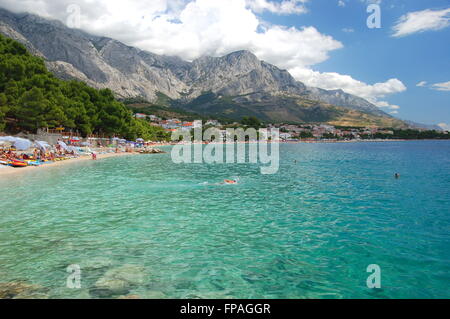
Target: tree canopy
(251, 121)
(31, 98)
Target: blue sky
(323, 43)
(373, 55)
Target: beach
(12, 171)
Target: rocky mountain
(232, 85)
(340, 98)
(420, 126)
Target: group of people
(37, 154)
(11, 155)
(7, 155)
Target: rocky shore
(119, 282)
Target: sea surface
(309, 231)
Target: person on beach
(94, 156)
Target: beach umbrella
(140, 140)
(7, 139)
(72, 149)
(42, 145)
(20, 144)
(63, 145)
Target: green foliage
(3, 110)
(32, 98)
(251, 121)
(162, 111)
(142, 129)
(413, 135)
(306, 135)
(134, 100)
(163, 99)
(329, 136)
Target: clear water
(309, 231)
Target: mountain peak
(131, 72)
(242, 53)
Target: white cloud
(333, 81)
(444, 126)
(420, 21)
(441, 86)
(289, 47)
(445, 86)
(341, 3)
(421, 84)
(284, 7)
(194, 28)
(386, 105)
(393, 112)
(348, 30)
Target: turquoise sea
(309, 231)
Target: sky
(394, 53)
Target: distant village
(288, 132)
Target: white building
(213, 123)
(140, 116)
(197, 124)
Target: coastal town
(288, 132)
(54, 145)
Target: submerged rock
(152, 151)
(119, 281)
(68, 293)
(146, 295)
(21, 290)
(107, 287)
(129, 297)
(207, 295)
(153, 295)
(33, 295)
(96, 263)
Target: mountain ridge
(103, 62)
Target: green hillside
(284, 108)
(31, 97)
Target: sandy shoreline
(8, 171)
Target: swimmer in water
(230, 181)
(397, 175)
